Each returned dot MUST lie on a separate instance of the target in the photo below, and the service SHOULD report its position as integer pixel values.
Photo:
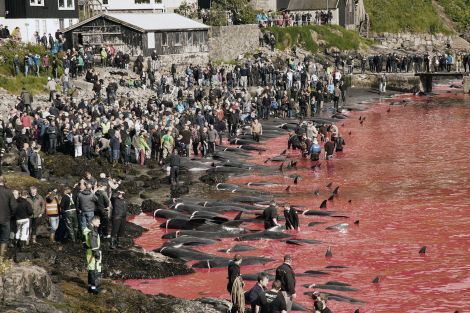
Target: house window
(141, 1)
(164, 39)
(61, 23)
(190, 38)
(178, 39)
(66, 4)
(36, 2)
(105, 1)
(44, 26)
(36, 24)
(70, 22)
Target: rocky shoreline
(53, 276)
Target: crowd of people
(395, 63)
(189, 112)
(278, 299)
(285, 19)
(85, 212)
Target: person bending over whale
(270, 216)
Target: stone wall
(395, 82)
(228, 42)
(416, 42)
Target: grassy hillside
(14, 84)
(313, 37)
(458, 11)
(405, 15)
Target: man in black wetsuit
(270, 216)
(329, 148)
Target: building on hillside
(133, 6)
(171, 35)
(42, 16)
(270, 5)
(347, 13)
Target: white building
(43, 16)
(133, 6)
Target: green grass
(458, 11)
(328, 36)
(14, 84)
(416, 16)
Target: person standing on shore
(7, 210)
(119, 215)
(93, 254)
(256, 130)
(257, 295)
(382, 83)
(235, 285)
(67, 207)
(38, 204)
(175, 163)
(285, 274)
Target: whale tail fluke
(323, 204)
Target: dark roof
(312, 5)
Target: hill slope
(405, 16)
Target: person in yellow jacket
(168, 144)
(93, 254)
(143, 146)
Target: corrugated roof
(312, 5)
(147, 21)
(158, 21)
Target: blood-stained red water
(407, 175)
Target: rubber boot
(33, 239)
(113, 243)
(52, 237)
(3, 251)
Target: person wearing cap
(270, 216)
(118, 217)
(285, 274)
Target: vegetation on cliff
(14, 84)
(314, 37)
(416, 16)
(458, 11)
